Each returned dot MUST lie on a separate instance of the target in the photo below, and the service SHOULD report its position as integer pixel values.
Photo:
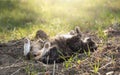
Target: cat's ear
(77, 30)
(72, 32)
(41, 34)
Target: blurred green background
(22, 18)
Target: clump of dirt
(113, 30)
(106, 60)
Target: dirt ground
(104, 61)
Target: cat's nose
(34, 55)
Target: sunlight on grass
(23, 18)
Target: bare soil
(105, 60)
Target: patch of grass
(23, 18)
(87, 53)
(95, 66)
(101, 34)
(69, 62)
